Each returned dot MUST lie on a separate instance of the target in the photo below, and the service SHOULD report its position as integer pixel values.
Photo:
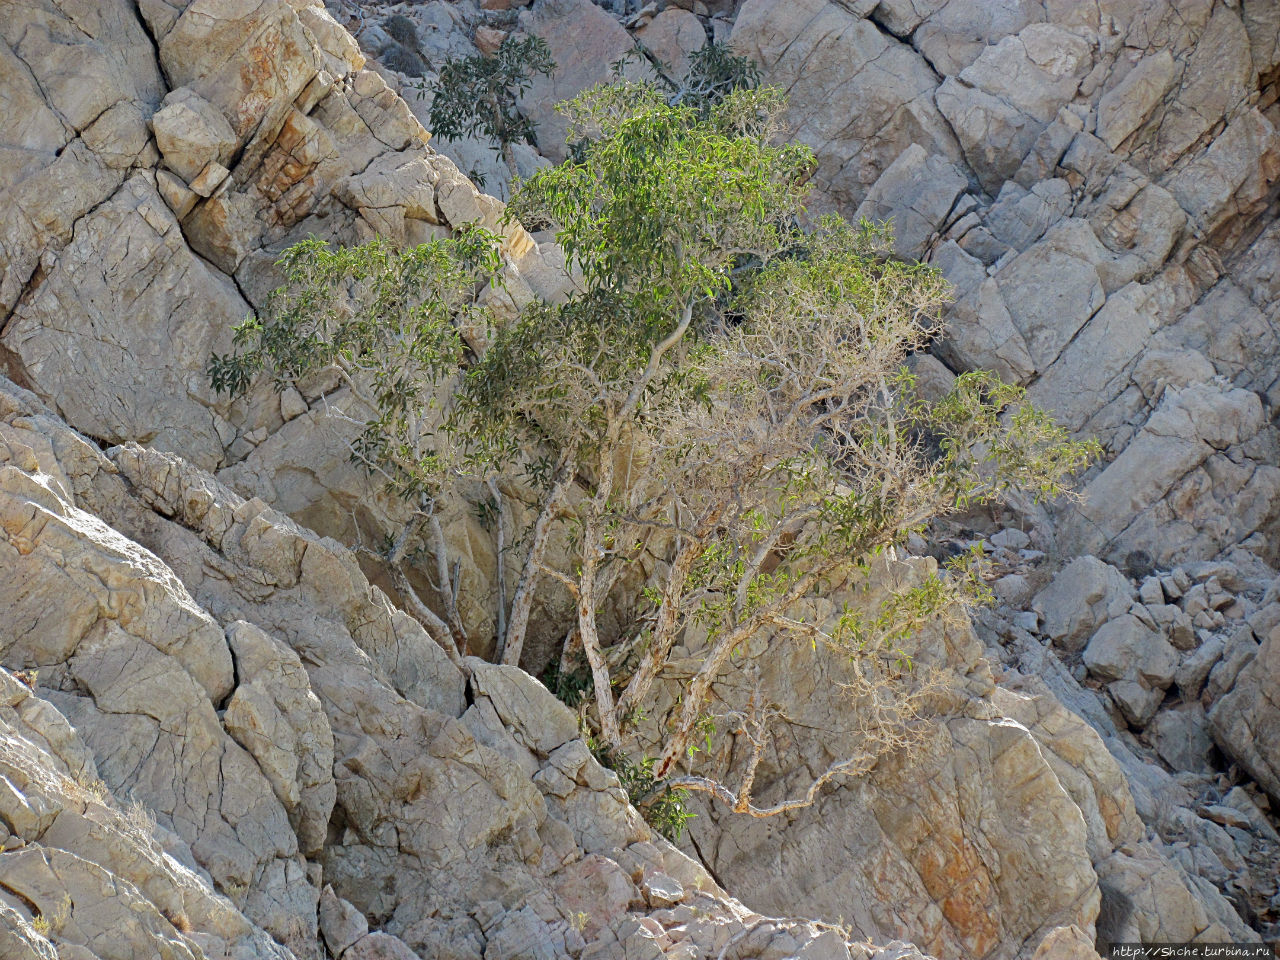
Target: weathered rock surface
(1098, 182)
(1246, 719)
(1017, 800)
(1136, 661)
(585, 43)
(1083, 596)
(344, 776)
(1191, 620)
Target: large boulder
(1137, 663)
(585, 43)
(1246, 719)
(1085, 594)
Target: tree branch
(500, 505)
(741, 802)
(522, 605)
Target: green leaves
(719, 406)
(476, 96)
(661, 202)
(663, 807)
(993, 441)
(387, 323)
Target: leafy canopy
(476, 95)
(387, 322)
(718, 411)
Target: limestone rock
(1053, 288)
(191, 133)
(916, 214)
(1156, 902)
(1183, 433)
(900, 849)
(71, 577)
(1181, 737)
(541, 721)
(857, 97)
(1126, 106)
(1194, 669)
(983, 334)
(379, 946)
(274, 714)
(1083, 596)
(1080, 759)
(585, 42)
(151, 293)
(341, 924)
(419, 793)
(1246, 721)
(999, 104)
(672, 36)
(1138, 663)
(1097, 182)
(1065, 943)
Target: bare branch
(738, 803)
(448, 585)
(522, 604)
(500, 549)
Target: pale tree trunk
(695, 696)
(698, 692)
(591, 550)
(436, 627)
(500, 507)
(667, 625)
(448, 583)
(512, 644)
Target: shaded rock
(274, 715)
(1181, 737)
(1245, 720)
(1053, 288)
(1151, 901)
(982, 334)
(1138, 662)
(1083, 596)
(1184, 431)
(1194, 669)
(341, 924)
(381, 946)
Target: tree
(388, 323)
(723, 397)
(476, 96)
(713, 73)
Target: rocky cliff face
(225, 741)
(1098, 182)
